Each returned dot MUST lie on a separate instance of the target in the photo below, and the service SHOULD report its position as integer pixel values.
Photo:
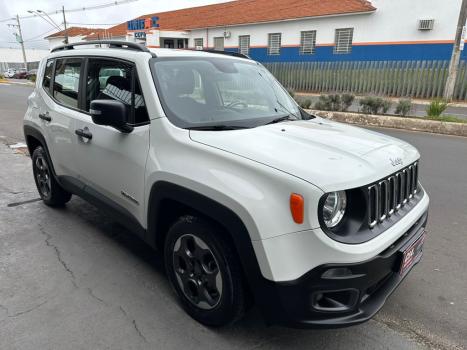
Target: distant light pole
(64, 23)
(49, 20)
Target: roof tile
(246, 11)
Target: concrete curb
(414, 124)
(15, 82)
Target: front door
(112, 163)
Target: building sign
(140, 35)
(143, 23)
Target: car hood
(330, 155)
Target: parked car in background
(20, 74)
(9, 73)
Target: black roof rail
(228, 53)
(127, 45)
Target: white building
(13, 58)
(301, 30)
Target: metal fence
(416, 79)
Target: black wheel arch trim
(30, 131)
(223, 216)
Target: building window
(219, 43)
(343, 42)
(307, 42)
(244, 44)
(199, 43)
(274, 44)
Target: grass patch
(448, 118)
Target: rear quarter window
(46, 81)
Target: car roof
(135, 51)
(159, 52)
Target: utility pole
(456, 53)
(21, 41)
(64, 23)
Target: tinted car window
(66, 81)
(113, 80)
(47, 75)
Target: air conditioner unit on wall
(227, 34)
(426, 24)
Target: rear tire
(51, 192)
(205, 272)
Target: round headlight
(334, 208)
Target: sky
(34, 29)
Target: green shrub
(347, 100)
(1, 76)
(305, 103)
(404, 107)
(32, 78)
(334, 102)
(436, 108)
(385, 106)
(323, 103)
(374, 105)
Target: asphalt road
(72, 279)
(13, 105)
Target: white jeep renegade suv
(250, 199)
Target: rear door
(112, 163)
(58, 113)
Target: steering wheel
(237, 103)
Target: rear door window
(66, 81)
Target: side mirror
(112, 113)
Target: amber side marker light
(297, 206)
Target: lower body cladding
(343, 294)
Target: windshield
(209, 92)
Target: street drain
(24, 202)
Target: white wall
(393, 21)
(16, 55)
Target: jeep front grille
(388, 195)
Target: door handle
(45, 116)
(85, 133)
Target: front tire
(204, 271)
(51, 192)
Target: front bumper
(347, 295)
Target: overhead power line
(93, 24)
(40, 35)
(79, 9)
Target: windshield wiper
(216, 127)
(281, 119)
